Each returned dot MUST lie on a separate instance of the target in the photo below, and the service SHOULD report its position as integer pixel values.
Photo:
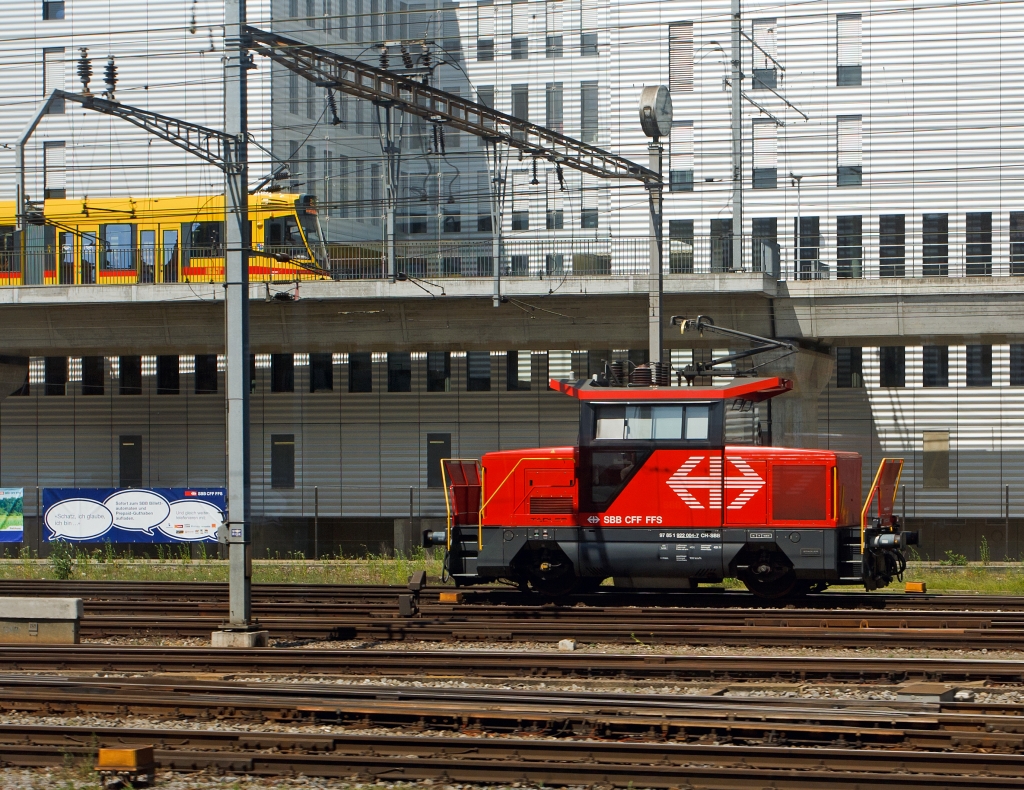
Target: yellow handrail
(871, 496)
(447, 504)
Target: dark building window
(588, 112)
(282, 460)
(680, 246)
(167, 376)
(517, 376)
(721, 245)
(520, 220)
(520, 265)
(399, 371)
(767, 253)
(485, 49)
(321, 372)
(360, 371)
(439, 446)
(130, 461)
(809, 234)
(1017, 242)
(979, 244)
(553, 46)
(588, 44)
(892, 245)
(979, 366)
(935, 366)
(55, 375)
(935, 239)
(478, 371)
(1016, 365)
(53, 10)
(848, 247)
(483, 223)
(680, 181)
(131, 375)
(935, 459)
(282, 373)
(92, 376)
(588, 218)
(206, 374)
(892, 371)
(439, 371)
(555, 219)
(520, 48)
(849, 368)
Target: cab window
(671, 422)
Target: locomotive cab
(654, 496)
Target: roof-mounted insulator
(110, 78)
(84, 70)
(332, 105)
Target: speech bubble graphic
(138, 510)
(192, 519)
(78, 519)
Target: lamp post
(656, 121)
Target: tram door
(169, 255)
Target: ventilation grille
(550, 505)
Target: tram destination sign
(133, 515)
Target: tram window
(660, 423)
(119, 247)
(147, 248)
(283, 232)
(204, 238)
(66, 276)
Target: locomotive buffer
(669, 487)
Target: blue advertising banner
(12, 519)
(133, 515)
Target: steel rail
(552, 761)
(681, 719)
(502, 664)
(213, 592)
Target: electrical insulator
(561, 176)
(534, 182)
(426, 57)
(84, 69)
(110, 78)
(384, 57)
(406, 57)
(440, 138)
(332, 105)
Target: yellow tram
(155, 240)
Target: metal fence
(88, 263)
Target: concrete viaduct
(457, 314)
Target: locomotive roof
(753, 389)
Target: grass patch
(106, 565)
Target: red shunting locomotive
(654, 497)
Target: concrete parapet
(50, 621)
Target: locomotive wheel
(785, 586)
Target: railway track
(493, 615)
(216, 593)
(502, 664)
(550, 761)
(544, 737)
